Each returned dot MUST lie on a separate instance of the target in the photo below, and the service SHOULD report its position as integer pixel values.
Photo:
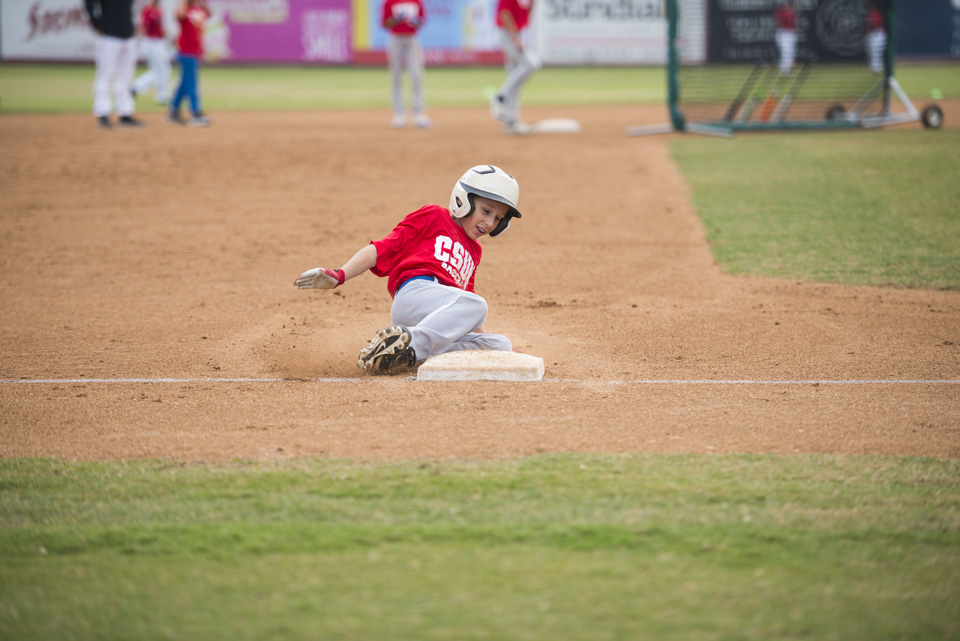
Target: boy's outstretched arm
(323, 278)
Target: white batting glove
(319, 278)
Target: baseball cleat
(389, 351)
(422, 122)
(104, 122)
(174, 117)
(518, 128)
(129, 122)
(199, 121)
(398, 122)
(496, 108)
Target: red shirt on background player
(786, 17)
(402, 17)
(519, 10)
(151, 19)
(192, 16)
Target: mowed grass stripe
(52, 88)
(866, 208)
(560, 546)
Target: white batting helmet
(489, 182)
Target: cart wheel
(836, 112)
(932, 117)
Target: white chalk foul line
(73, 381)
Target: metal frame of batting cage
(776, 105)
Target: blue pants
(189, 73)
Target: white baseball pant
(404, 54)
(443, 319)
(157, 54)
(876, 44)
(519, 65)
(116, 60)
(787, 43)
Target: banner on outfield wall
(454, 32)
(564, 32)
(279, 31)
(830, 30)
(238, 30)
(600, 32)
(45, 30)
(827, 30)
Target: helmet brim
(489, 195)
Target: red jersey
(191, 30)
(428, 242)
(874, 19)
(519, 9)
(408, 14)
(786, 18)
(151, 18)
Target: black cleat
(389, 351)
(129, 122)
(104, 122)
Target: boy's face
(486, 215)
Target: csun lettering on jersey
(454, 259)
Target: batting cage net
(756, 64)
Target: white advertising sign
(45, 30)
(602, 32)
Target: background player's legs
(415, 73)
(519, 66)
(188, 85)
(787, 43)
(395, 55)
(126, 61)
(876, 43)
(145, 81)
(194, 96)
(182, 85)
(148, 78)
(158, 70)
(161, 65)
(442, 319)
(105, 55)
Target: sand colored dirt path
(171, 253)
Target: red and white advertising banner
(45, 30)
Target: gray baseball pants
(404, 54)
(519, 65)
(443, 319)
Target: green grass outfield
(547, 547)
(860, 207)
(67, 88)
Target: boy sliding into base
(429, 260)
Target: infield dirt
(171, 253)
